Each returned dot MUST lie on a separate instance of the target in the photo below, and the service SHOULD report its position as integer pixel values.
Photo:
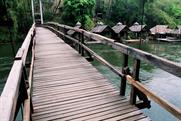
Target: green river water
(161, 82)
(6, 61)
(157, 80)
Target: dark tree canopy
(16, 16)
(155, 11)
(78, 10)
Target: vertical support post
(123, 78)
(22, 94)
(41, 11)
(82, 50)
(32, 10)
(64, 31)
(79, 46)
(25, 73)
(136, 70)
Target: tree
(78, 10)
(156, 12)
(14, 18)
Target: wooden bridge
(53, 81)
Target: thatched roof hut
(160, 29)
(119, 27)
(77, 26)
(136, 27)
(101, 28)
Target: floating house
(102, 29)
(120, 31)
(174, 33)
(136, 29)
(159, 29)
(72, 32)
(159, 32)
(163, 33)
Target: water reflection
(6, 59)
(159, 81)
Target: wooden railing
(15, 93)
(138, 89)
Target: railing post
(22, 94)
(82, 49)
(64, 31)
(136, 70)
(79, 46)
(25, 73)
(123, 78)
(58, 28)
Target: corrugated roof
(99, 28)
(136, 27)
(159, 29)
(118, 27)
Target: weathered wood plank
(80, 103)
(10, 92)
(134, 118)
(127, 115)
(102, 113)
(68, 87)
(69, 97)
(19, 54)
(51, 106)
(85, 111)
(164, 64)
(159, 100)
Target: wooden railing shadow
(137, 88)
(16, 92)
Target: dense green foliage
(155, 12)
(17, 13)
(127, 11)
(78, 10)
(14, 19)
(164, 12)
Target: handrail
(14, 92)
(164, 64)
(26, 44)
(10, 92)
(132, 52)
(162, 102)
(23, 50)
(28, 106)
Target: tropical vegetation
(16, 14)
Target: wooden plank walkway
(67, 87)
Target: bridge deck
(67, 87)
